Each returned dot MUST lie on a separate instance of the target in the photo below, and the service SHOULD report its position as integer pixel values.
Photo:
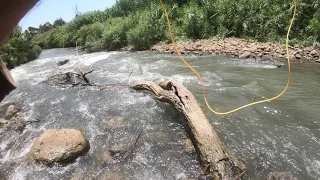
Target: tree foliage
(141, 23)
(18, 50)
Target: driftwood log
(216, 158)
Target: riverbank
(244, 49)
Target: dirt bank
(244, 49)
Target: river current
(283, 135)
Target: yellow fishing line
(200, 78)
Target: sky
(50, 10)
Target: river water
(283, 135)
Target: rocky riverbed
(244, 49)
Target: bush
(150, 29)
(90, 33)
(87, 19)
(193, 22)
(314, 27)
(141, 23)
(94, 46)
(34, 52)
(114, 35)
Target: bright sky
(50, 10)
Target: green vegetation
(141, 23)
(18, 50)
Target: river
(283, 135)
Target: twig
(135, 144)
(130, 73)
(37, 120)
(88, 72)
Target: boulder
(281, 176)
(245, 55)
(58, 146)
(12, 111)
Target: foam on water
(252, 63)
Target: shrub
(193, 21)
(114, 34)
(150, 29)
(90, 33)
(94, 46)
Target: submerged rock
(58, 146)
(13, 121)
(12, 111)
(14, 124)
(63, 62)
(104, 155)
(77, 176)
(281, 176)
(113, 174)
(116, 122)
(279, 65)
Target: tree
(45, 27)
(30, 33)
(58, 22)
(16, 32)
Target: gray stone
(313, 52)
(298, 56)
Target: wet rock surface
(281, 176)
(243, 49)
(58, 146)
(116, 122)
(13, 120)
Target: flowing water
(283, 135)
